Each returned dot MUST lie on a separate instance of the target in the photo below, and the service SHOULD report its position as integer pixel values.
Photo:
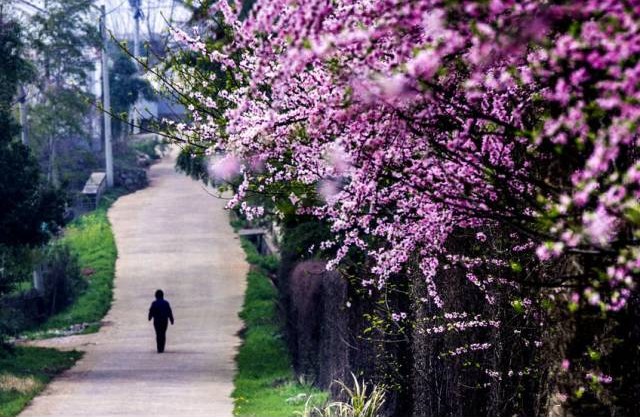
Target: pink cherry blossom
(419, 126)
(225, 168)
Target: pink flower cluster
(599, 378)
(411, 121)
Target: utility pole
(106, 99)
(24, 134)
(137, 15)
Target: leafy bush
(62, 279)
(192, 163)
(238, 222)
(300, 242)
(62, 282)
(15, 265)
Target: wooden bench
(95, 187)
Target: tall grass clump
(360, 400)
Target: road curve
(172, 235)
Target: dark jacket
(160, 312)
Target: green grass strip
(265, 385)
(25, 371)
(91, 239)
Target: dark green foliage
(15, 265)
(62, 278)
(193, 163)
(62, 282)
(61, 37)
(151, 147)
(126, 86)
(15, 69)
(612, 344)
(60, 133)
(29, 211)
(298, 239)
(238, 222)
(34, 366)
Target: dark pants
(161, 334)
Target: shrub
(90, 238)
(62, 279)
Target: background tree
(30, 212)
(126, 87)
(64, 37)
(481, 156)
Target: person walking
(160, 312)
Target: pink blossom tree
(509, 125)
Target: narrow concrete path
(175, 236)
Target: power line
(116, 8)
(40, 9)
(28, 3)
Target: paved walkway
(175, 236)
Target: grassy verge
(91, 239)
(24, 372)
(264, 384)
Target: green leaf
(518, 306)
(632, 213)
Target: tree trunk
(54, 177)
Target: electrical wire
(117, 7)
(38, 8)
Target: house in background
(152, 112)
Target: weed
(24, 372)
(362, 401)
